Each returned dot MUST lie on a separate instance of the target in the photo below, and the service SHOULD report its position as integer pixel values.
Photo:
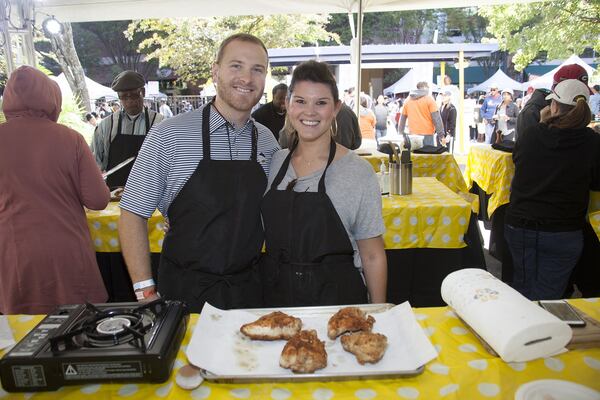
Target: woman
(47, 175)
(557, 163)
(506, 117)
(322, 209)
(367, 119)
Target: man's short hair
(277, 88)
(597, 88)
(422, 85)
(242, 37)
(88, 116)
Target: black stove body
(79, 344)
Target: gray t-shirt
(352, 186)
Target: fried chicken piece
(368, 347)
(273, 326)
(304, 353)
(349, 319)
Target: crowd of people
(228, 181)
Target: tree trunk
(64, 48)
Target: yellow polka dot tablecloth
(462, 371)
(493, 170)
(105, 236)
(440, 166)
(594, 212)
(442, 220)
(431, 217)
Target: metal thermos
(405, 178)
(394, 178)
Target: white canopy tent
(545, 81)
(409, 81)
(95, 89)
(500, 80)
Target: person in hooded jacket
(47, 174)
(557, 163)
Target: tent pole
(460, 138)
(358, 57)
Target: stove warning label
(102, 370)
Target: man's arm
(97, 146)
(437, 122)
(133, 235)
(402, 124)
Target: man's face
(494, 91)
(279, 100)
(240, 75)
(132, 100)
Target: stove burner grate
(110, 327)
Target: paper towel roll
(515, 327)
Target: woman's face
(311, 110)
(507, 97)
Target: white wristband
(143, 284)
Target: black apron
(309, 259)
(215, 237)
(121, 148)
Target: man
(347, 129)
(448, 115)
(164, 109)
(423, 115)
(272, 114)
(488, 109)
(532, 111)
(381, 116)
(120, 136)
(206, 171)
(595, 101)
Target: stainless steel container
(394, 178)
(405, 178)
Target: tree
(189, 45)
(66, 55)
(468, 22)
(559, 28)
(397, 27)
(107, 39)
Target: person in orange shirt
(367, 120)
(423, 115)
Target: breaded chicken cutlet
(304, 353)
(368, 347)
(273, 326)
(349, 319)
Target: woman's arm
(374, 262)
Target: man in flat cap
(120, 136)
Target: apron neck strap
(206, 134)
(286, 164)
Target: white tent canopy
(95, 89)
(545, 81)
(106, 10)
(500, 80)
(409, 81)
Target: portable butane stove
(78, 344)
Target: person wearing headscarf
(48, 175)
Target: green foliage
(71, 116)
(189, 45)
(559, 28)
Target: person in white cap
(557, 163)
(506, 117)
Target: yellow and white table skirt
(105, 236)
(431, 217)
(493, 170)
(462, 371)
